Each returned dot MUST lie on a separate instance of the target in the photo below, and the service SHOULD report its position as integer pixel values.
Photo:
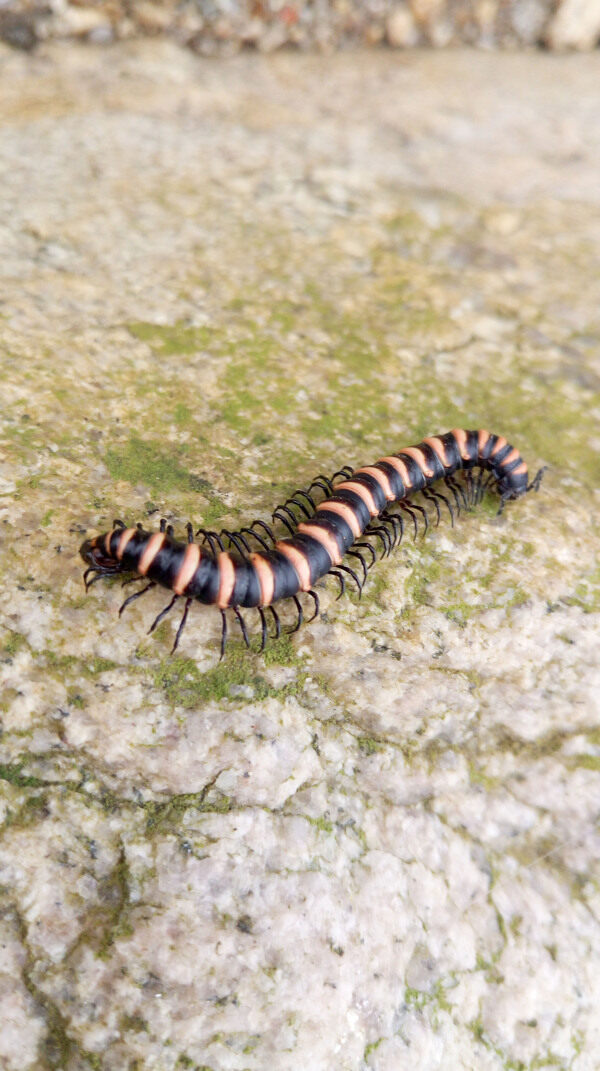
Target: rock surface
(376, 846)
(224, 27)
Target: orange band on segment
(419, 457)
(381, 478)
(482, 439)
(154, 544)
(461, 439)
(362, 492)
(191, 560)
(520, 470)
(126, 536)
(266, 578)
(299, 561)
(499, 446)
(324, 538)
(107, 539)
(226, 579)
(513, 456)
(439, 450)
(347, 514)
(400, 468)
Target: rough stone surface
(376, 845)
(575, 25)
(224, 27)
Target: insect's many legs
(436, 497)
(537, 479)
(339, 573)
(99, 574)
(262, 613)
(301, 496)
(136, 594)
(213, 539)
(163, 613)
(188, 603)
(458, 491)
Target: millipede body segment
(254, 568)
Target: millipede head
(96, 558)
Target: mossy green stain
(182, 415)
(13, 773)
(14, 642)
(185, 685)
(585, 762)
(171, 339)
(369, 745)
(372, 1047)
(143, 461)
(168, 814)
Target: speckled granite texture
(376, 847)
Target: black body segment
(285, 576)
(358, 506)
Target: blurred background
(223, 27)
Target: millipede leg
(188, 603)
(163, 613)
(334, 572)
(537, 479)
(390, 526)
(234, 540)
(397, 519)
(163, 524)
(137, 594)
(404, 505)
(87, 573)
(323, 483)
(437, 495)
(305, 494)
(223, 633)
(347, 569)
(460, 488)
(478, 485)
(99, 574)
(430, 497)
(266, 528)
(211, 538)
(367, 546)
(357, 554)
(242, 624)
(190, 532)
(242, 538)
(491, 481)
(263, 628)
(379, 530)
(278, 515)
(259, 539)
(300, 616)
(345, 472)
(314, 596)
(277, 622)
(301, 506)
(423, 512)
(118, 523)
(452, 487)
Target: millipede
(352, 514)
